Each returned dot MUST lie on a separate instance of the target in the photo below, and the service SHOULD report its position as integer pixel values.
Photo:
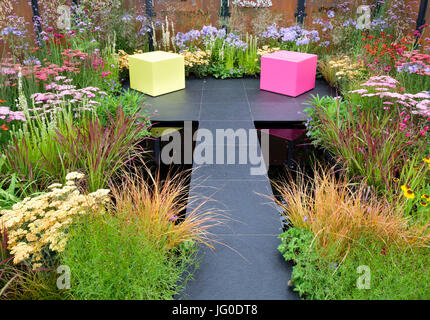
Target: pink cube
(288, 72)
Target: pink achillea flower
(359, 91)
(381, 81)
(9, 115)
(422, 108)
(58, 94)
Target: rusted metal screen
(192, 14)
(427, 31)
(189, 14)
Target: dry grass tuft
(160, 205)
(339, 212)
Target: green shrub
(111, 258)
(101, 151)
(131, 102)
(370, 146)
(395, 273)
(25, 284)
(44, 152)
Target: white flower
(74, 176)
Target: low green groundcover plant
(110, 257)
(395, 273)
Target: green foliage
(25, 284)
(413, 83)
(333, 108)
(34, 155)
(369, 144)
(44, 152)
(110, 257)
(232, 62)
(130, 101)
(396, 273)
(100, 151)
(198, 70)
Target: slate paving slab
(227, 110)
(245, 263)
(243, 267)
(245, 206)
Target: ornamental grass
(339, 212)
(160, 206)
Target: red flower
(4, 127)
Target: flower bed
(71, 193)
(377, 130)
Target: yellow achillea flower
(266, 50)
(196, 58)
(123, 58)
(344, 67)
(37, 224)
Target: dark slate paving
(214, 84)
(242, 268)
(245, 263)
(254, 214)
(266, 111)
(224, 96)
(227, 110)
(224, 128)
(231, 99)
(174, 111)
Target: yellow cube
(156, 73)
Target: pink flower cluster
(414, 62)
(381, 81)
(389, 91)
(423, 108)
(60, 93)
(42, 71)
(72, 54)
(9, 116)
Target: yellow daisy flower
(426, 197)
(409, 194)
(405, 188)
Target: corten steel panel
(427, 30)
(314, 6)
(188, 14)
(195, 13)
(22, 9)
(288, 8)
